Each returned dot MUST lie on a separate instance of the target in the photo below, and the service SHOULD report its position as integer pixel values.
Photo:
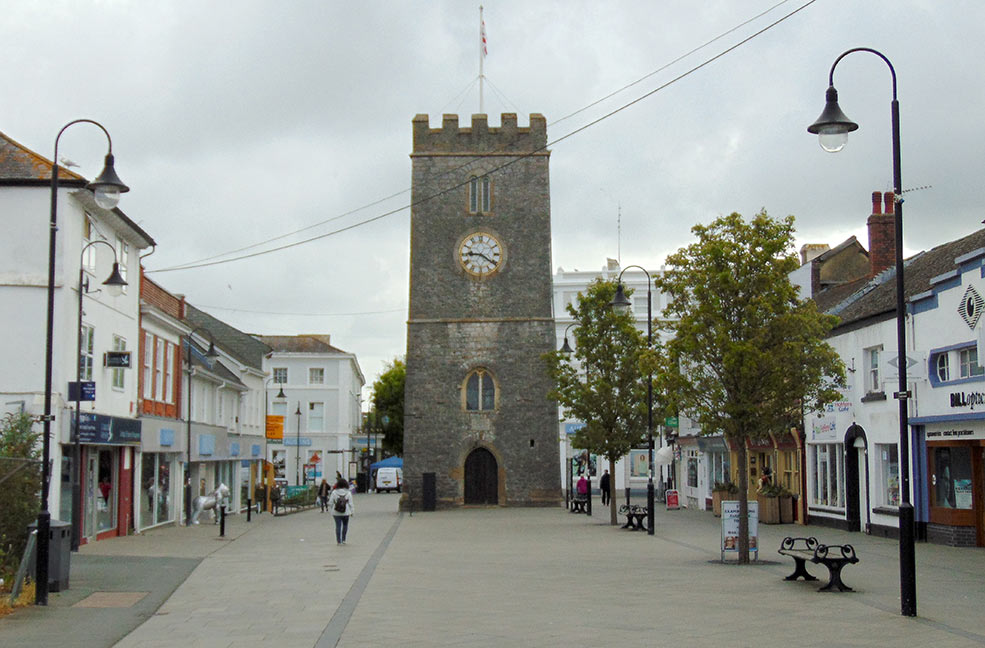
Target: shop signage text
(967, 399)
(949, 433)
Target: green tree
(20, 487)
(606, 390)
(746, 353)
(388, 405)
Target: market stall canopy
(389, 462)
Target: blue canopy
(389, 462)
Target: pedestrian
(340, 503)
(324, 490)
(582, 488)
(605, 487)
(766, 480)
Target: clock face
(480, 254)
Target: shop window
(887, 473)
(480, 391)
(692, 472)
(951, 481)
(829, 468)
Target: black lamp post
(211, 356)
(567, 351)
(832, 128)
(114, 284)
(622, 304)
(297, 449)
(106, 188)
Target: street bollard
(627, 496)
(222, 521)
(249, 508)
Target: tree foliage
(602, 385)
(20, 474)
(745, 352)
(388, 405)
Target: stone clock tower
(478, 427)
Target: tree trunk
(613, 511)
(743, 471)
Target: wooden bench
(635, 517)
(834, 557)
(579, 504)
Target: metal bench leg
(800, 570)
(835, 581)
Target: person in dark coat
(324, 490)
(605, 485)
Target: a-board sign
(673, 500)
(730, 527)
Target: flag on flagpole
(482, 36)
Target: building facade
(478, 427)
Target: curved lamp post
(106, 188)
(114, 284)
(211, 355)
(622, 304)
(263, 464)
(832, 129)
(297, 449)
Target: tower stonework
(476, 412)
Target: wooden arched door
(481, 478)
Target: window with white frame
(942, 367)
(148, 366)
(119, 375)
(872, 379)
(86, 351)
(718, 468)
(968, 363)
(169, 353)
(827, 488)
(89, 255)
(159, 370)
(316, 417)
(123, 258)
(316, 375)
(887, 473)
(220, 406)
(280, 375)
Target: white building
(632, 471)
(88, 240)
(321, 407)
(853, 448)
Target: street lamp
(106, 188)
(297, 451)
(832, 129)
(114, 285)
(211, 355)
(621, 304)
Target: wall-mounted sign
(117, 359)
(275, 427)
(967, 399)
(99, 428)
(294, 441)
(86, 393)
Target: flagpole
(482, 55)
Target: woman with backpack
(340, 503)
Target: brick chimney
(882, 233)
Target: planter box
(786, 509)
(769, 509)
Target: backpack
(340, 503)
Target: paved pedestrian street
(492, 577)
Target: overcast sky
(238, 122)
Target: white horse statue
(210, 502)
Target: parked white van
(388, 479)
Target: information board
(730, 527)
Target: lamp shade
(107, 187)
(833, 126)
(212, 354)
(621, 303)
(115, 283)
(566, 348)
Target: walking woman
(340, 503)
(323, 492)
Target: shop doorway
(99, 508)
(856, 477)
(481, 478)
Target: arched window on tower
(480, 194)
(480, 391)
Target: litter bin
(59, 554)
(429, 492)
(362, 482)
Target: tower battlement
(479, 137)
